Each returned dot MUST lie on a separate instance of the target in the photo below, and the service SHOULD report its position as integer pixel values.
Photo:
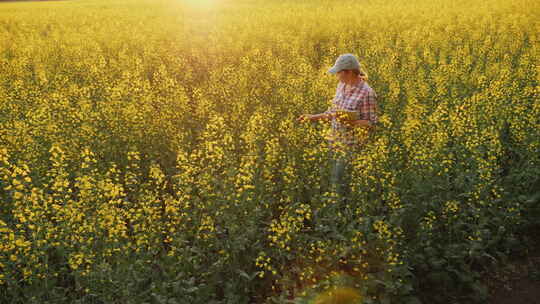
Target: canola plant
(149, 150)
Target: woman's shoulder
(369, 89)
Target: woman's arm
(312, 117)
(322, 116)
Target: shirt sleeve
(368, 108)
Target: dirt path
(518, 282)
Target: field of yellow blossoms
(150, 153)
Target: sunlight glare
(201, 3)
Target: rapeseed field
(150, 151)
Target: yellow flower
(338, 295)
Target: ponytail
(361, 74)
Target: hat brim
(333, 70)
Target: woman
(352, 94)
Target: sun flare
(203, 4)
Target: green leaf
(480, 291)
(437, 263)
(411, 300)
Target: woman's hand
(358, 123)
(305, 117)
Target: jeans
(340, 177)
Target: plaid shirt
(360, 97)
